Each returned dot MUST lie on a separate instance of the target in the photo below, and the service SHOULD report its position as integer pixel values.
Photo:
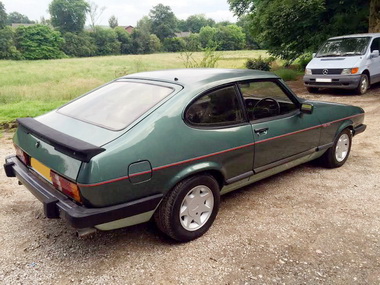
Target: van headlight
(308, 71)
(347, 71)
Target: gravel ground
(309, 225)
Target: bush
(304, 59)
(7, 44)
(259, 63)
(174, 44)
(79, 45)
(287, 74)
(106, 41)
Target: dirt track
(309, 225)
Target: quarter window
(217, 108)
(375, 45)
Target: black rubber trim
(325, 146)
(64, 143)
(57, 205)
(8, 168)
(239, 177)
(359, 129)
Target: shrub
(106, 41)
(304, 59)
(259, 63)
(287, 74)
(174, 44)
(7, 44)
(79, 45)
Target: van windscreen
(344, 47)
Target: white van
(346, 62)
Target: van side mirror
(375, 54)
(307, 108)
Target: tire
(338, 154)
(363, 85)
(198, 198)
(312, 89)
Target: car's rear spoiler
(66, 144)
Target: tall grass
(31, 88)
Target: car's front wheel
(189, 210)
(338, 154)
(363, 85)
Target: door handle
(262, 131)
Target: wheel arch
(366, 72)
(348, 124)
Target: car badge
(325, 71)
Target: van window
(344, 47)
(375, 45)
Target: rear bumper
(57, 205)
(337, 81)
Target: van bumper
(335, 81)
(57, 205)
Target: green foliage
(154, 43)
(16, 17)
(145, 25)
(125, 39)
(230, 37)
(289, 28)
(113, 22)
(39, 42)
(303, 60)
(208, 60)
(68, 15)
(3, 16)
(7, 44)
(79, 45)
(194, 23)
(164, 22)
(288, 74)
(192, 43)
(174, 44)
(106, 41)
(140, 42)
(207, 36)
(245, 23)
(259, 63)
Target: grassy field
(31, 88)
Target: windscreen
(344, 47)
(116, 105)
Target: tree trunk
(374, 16)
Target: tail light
(22, 155)
(62, 184)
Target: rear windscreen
(116, 105)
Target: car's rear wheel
(312, 89)
(189, 210)
(363, 85)
(338, 154)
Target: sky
(129, 12)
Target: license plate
(323, 79)
(43, 170)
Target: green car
(166, 144)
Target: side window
(375, 45)
(265, 99)
(217, 108)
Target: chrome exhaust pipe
(81, 233)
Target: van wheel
(363, 85)
(312, 89)
(189, 210)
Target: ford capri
(165, 145)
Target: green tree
(68, 15)
(79, 45)
(145, 25)
(290, 27)
(125, 40)
(194, 23)
(230, 37)
(16, 17)
(154, 43)
(207, 36)
(245, 23)
(140, 42)
(192, 43)
(7, 44)
(174, 44)
(106, 41)
(39, 42)
(113, 22)
(164, 22)
(3, 16)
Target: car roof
(372, 35)
(201, 76)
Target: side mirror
(307, 108)
(375, 54)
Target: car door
(374, 65)
(281, 132)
